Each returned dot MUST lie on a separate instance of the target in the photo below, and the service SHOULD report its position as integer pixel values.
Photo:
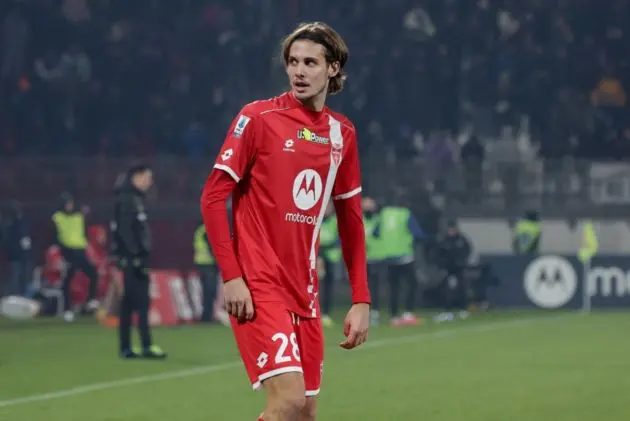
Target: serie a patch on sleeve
(242, 122)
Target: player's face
(308, 70)
(144, 180)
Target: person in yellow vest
(527, 234)
(331, 262)
(70, 236)
(375, 256)
(397, 233)
(208, 273)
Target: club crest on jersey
(242, 122)
(309, 136)
(336, 154)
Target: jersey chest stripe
(336, 141)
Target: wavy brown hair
(336, 50)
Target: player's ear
(333, 69)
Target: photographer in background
(454, 253)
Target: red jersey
(288, 162)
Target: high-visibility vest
(396, 239)
(203, 255)
(70, 229)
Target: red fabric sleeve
(216, 191)
(352, 234)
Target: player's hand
(238, 299)
(355, 327)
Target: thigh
(70, 258)
(209, 276)
(393, 272)
(268, 343)
(83, 262)
(311, 342)
(134, 286)
(409, 272)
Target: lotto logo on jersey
(307, 190)
(242, 122)
(227, 154)
(309, 136)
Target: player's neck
(315, 104)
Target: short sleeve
(239, 147)
(348, 180)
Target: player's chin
(302, 94)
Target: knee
(290, 403)
(309, 410)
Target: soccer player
(283, 160)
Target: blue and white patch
(242, 122)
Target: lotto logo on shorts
(262, 360)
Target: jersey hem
(257, 385)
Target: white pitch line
(117, 383)
(379, 343)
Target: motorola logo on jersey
(307, 189)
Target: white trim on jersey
(336, 155)
(336, 141)
(228, 170)
(276, 372)
(311, 392)
(348, 195)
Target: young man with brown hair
(282, 161)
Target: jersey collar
(313, 115)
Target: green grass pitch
(503, 366)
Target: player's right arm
(233, 163)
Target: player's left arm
(347, 200)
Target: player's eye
(293, 61)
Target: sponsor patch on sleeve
(242, 122)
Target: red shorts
(277, 342)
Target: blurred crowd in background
(463, 107)
(146, 77)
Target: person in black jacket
(131, 246)
(17, 240)
(454, 253)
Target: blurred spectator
(534, 80)
(472, 156)
(609, 93)
(18, 243)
